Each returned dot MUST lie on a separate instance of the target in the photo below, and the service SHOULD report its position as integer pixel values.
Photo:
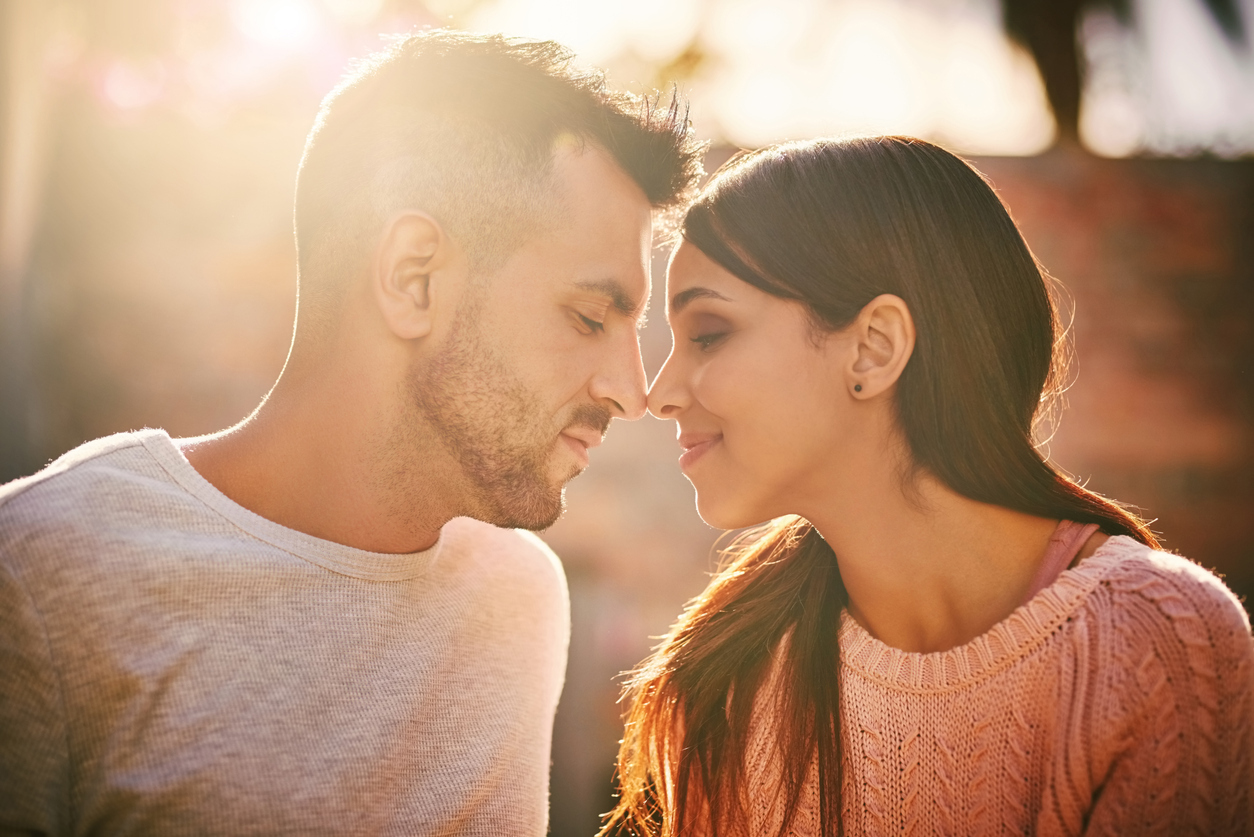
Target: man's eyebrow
(681, 299)
(623, 301)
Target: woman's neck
(930, 571)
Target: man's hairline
(555, 197)
(586, 143)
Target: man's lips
(695, 446)
(590, 437)
(579, 440)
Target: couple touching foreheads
(325, 620)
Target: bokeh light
(1166, 81)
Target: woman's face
(760, 396)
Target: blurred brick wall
(1158, 256)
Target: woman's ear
(414, 262)
(884, 336)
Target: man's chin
(535, 512)
(556, 507)
(534, 523)
(570, 474)
(541, 525)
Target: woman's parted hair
(833, 224)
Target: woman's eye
(705, 341)
(589, 323)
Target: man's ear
(414, 262)
(884, 338)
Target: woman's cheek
(734, 383)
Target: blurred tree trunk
(1049, 31)
(28, 35)
(1047, 28)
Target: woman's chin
(724, 513)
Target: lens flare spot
(282, 24)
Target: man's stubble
(496, 429)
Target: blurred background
(148, 151)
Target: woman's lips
(694, 452)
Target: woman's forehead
(690, 266)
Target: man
(282, 628)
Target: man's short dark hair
(466, 127)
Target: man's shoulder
(475, 536)
(519, 590)
(513, 552)
(84, 468)
(112, 478)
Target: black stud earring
(857, 387)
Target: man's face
(545, 352)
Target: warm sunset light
(1166, 81)
(764, 72)
(799, 68)
(150, 154)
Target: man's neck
(314, 459)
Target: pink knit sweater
(1117, 701)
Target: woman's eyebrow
(681, 299)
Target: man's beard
(497, 430)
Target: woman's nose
(667, 395)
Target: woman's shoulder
(1144, 591)
(1172, 646)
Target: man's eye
(705, 341)
(589, 323)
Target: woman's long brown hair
(833, 224)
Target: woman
(937, 632)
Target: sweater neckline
(338, 558)
(1016, 636)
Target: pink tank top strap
(1066, 542)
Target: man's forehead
(603, 221)
(585, 171)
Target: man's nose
(620, 384)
